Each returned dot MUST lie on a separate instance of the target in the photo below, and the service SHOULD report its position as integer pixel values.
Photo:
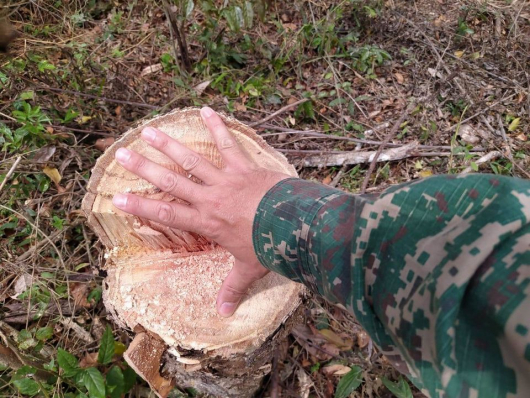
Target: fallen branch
(281, 110)
(349, 158)
(318, 134)
(387, 139)
(486, 158)
(105, 99)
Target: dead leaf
(331, 349)
(434, 73)
(304, 382)
(22, 284)
(521, 137)
(53, 173)
(151, 69)
(289, 26)
(103, 143)
(459, 54)
(240, 107)
(335, 369)
(335, 339)
(83, 119)
(425, 173)
(118, 110)
(373, 114)
(79, 292)
(49, 129)
(89, 360)
(362, 339)
(327, 180)
(399, 77)
(44, 154)
(199, 88)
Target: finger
(171, 214)
(165, 179)
(235, 286)
(226, 143)
(189, 160)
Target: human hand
(222, 208)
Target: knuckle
(165, 213)
(140, 163)
(234, 291)
(161, 141)
(190, 162)
(227, 143)
(169, 182)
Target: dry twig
(10, 172)
(281, 110)
(387, 139)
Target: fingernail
(123, 155)
(119, 200)
(149, 134)
(207, 112)
(227, 309)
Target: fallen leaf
(327, 180)
(118, 110)
(89, 360)
(362, 339)
(49, 129)
(53, 173)
(44, 154)
(335, 339)
(335, 369)
(459, 54)
(103, 143)
(289, 26)
(425, 173)
(199, 88)
(304, 382)
(514, 124)
(240, 107)
(521, 137)
(434, 73)
(22, 284)
(151, 69)
(83, 119)
(399, 77)
(79, 292)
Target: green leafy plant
(349, 382)
(463, 29)
(367, 58)
(400, 389)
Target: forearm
(415, 265)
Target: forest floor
(441, 86)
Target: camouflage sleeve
(437, 271)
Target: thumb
(236, 285)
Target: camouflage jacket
(437, 271)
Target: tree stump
(162, 282)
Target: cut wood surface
(164, 281)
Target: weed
(463, 29)
(367, 57)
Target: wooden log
(162, 282)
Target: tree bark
(162, 282)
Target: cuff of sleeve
(281, 227)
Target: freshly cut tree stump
(162, 282)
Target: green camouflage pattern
(437, 271)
